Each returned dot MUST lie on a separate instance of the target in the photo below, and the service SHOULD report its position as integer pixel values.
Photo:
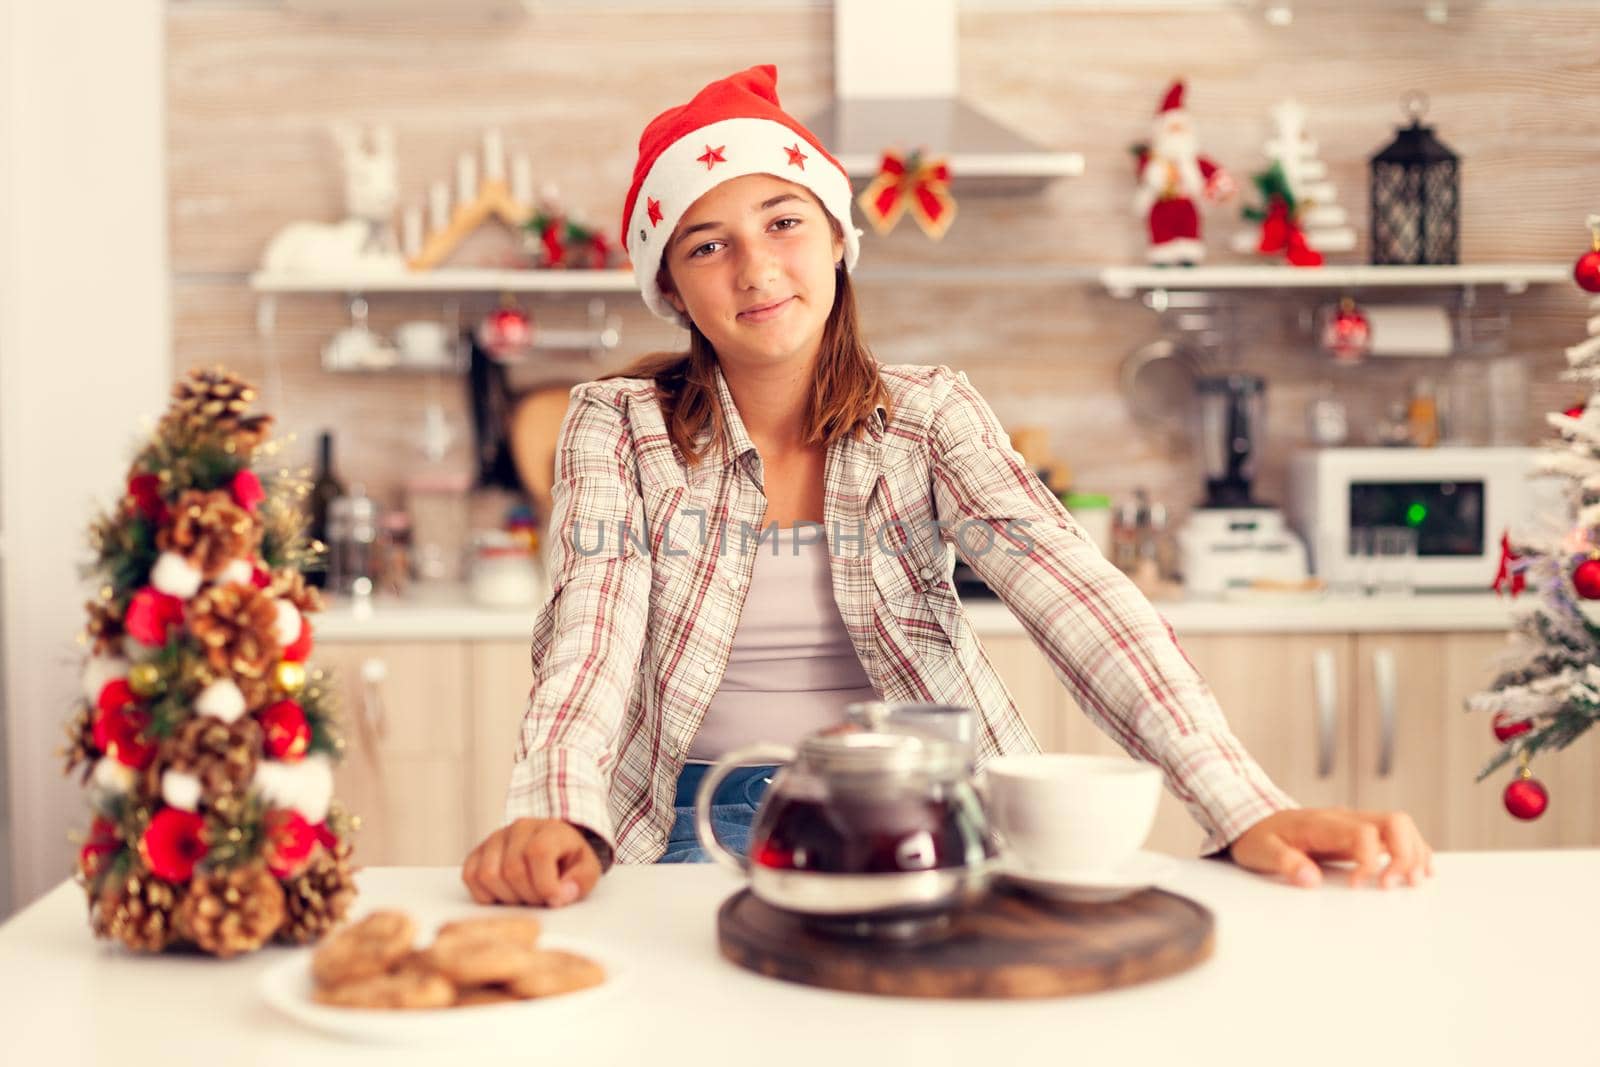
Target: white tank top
(792, 668)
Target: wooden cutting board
(1009, 944)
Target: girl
(750, 535)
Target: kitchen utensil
(860, 825)
(1010, 944)
(1062, 814)
(1157, 380)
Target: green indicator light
(1416, 513)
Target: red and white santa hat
(731, 128)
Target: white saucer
(1139, 872)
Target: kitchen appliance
(1231, 411)
(1459, 500)
(863, 832)
(1229, 549)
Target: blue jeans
(733, 810)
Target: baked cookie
(408, 989)
(471, 957)
(553, 971)
(488, 994)
(516, 929)
(363, 949)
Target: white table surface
(1491, 962)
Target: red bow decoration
(916, 182)
(1280, 232)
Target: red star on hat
(712, 157)
(653, 207)
(796, 157)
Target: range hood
(895, 87)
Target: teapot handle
(753, 754)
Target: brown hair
(848, 385)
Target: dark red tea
(865, 836)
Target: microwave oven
(1459, 500)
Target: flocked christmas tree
(1299, 216)
(1549, 694)
(206, 746)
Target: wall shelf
(1125, 282)
(450, 281)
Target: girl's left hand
(1289, 843)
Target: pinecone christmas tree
(1548, 694)
(208, 760)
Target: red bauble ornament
(119, 727)
(507, 334)
(1526, 799)
(1586, 579)
(260, 577)
(1506, 727)
(290, 840)
(1576, 411)
(246, 490)
(151, 613)
(173, 843)
(1586, 272)
(145, 489)
(288, 735)
(101, 846)
(1347, 335)
(301, 648)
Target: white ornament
(181, 790)
(175, 576)
(100, 670)
(112, 776)
(306, 786)
(235, 572)
(286, 628)
(221, 700)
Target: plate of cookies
(373, 980)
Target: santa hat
(731, 128)
(1173, 101)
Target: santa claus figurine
(1172, 176)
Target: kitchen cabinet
(502, 675)
(406, 770)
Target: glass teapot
(860, 822)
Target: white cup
(1061, 814)
(423, 342)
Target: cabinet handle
(373, 673)
(1383, 679)
(1325, 681)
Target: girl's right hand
(544, 862)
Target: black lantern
(1416, 195)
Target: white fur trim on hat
(680, 176)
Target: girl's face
(752, 263)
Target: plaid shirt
(648, 581)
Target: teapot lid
(871, 752)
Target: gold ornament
(222, 755)
(318, 897)
(138, 911)
(213, 404)
(236, 624)
(144, 679)
(209, 530)
(291, 676)
(229, 912)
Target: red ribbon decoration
(915, 183)
(1281, 233)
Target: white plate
(1141, 871)
(287, 986)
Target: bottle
(1423, 414)
(325, 489)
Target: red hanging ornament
(1347, 334)
(1525, 798)
(288, 735)
(1507, 726)
(145, 489)
(507, 334)
(1586, 579)
(1576, 411)
(1586, 271)
(290, 840)
(173, 843)
(120, 724)
(1507, 575)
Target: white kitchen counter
(444, 613)
(1488, 963)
